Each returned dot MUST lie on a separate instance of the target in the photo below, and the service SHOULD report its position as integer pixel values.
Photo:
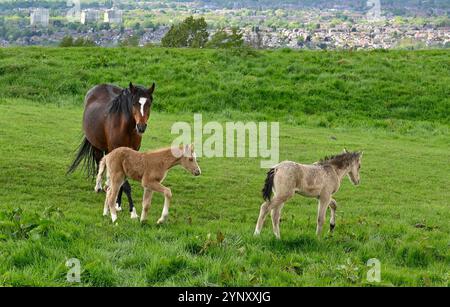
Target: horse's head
(142, 99)
(188, 160)
(355, 167)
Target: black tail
(86, 155)
(268, 185)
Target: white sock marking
(134, 214)
(113, 217)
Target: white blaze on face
(142, 102)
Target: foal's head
(188, 160)
(141, 99)
(355, 166)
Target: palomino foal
(321, 180)
(150, 168)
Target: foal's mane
(341, 160)
(121, 104)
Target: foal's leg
(112, 196)
(98, 155)
(265, 209)
(324, 200)
(106, 206)
(276, 214)
(146, 203)
(158, 187)
(262, 216)
(333, 206)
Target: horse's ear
(186, 150)
(152, 88)
(345, 150)
(361, 154)
(132, 88)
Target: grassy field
(399, 214)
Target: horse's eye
(191, 159)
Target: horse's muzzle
(197, 172)
(141, 128)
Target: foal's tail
(268, 185)
(86, 155)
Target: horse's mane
(121, 104)
(341, 160)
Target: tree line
(191, 33)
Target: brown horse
(113, 117)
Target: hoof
(256, 234)
(134, 214)
(118, 207)
(113, 218)
(332, 227)
(160, 221)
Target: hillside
(392, 105)
(337, 87)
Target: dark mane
(121, 104)
(341, 160)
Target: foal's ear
(132, 88)
(152, 88)
(345, 150)
(186, 150)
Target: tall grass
(337, 86)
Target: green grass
(393, 105)
(376, 88)
(405, 179)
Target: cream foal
(320, 180)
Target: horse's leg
(333, 206)
(146, 203)
(127, 189)
(324, 201)
(276, 214)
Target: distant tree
(132, 41)
(67, 41)
(190, 33)
(79, 42)
(221, 39)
